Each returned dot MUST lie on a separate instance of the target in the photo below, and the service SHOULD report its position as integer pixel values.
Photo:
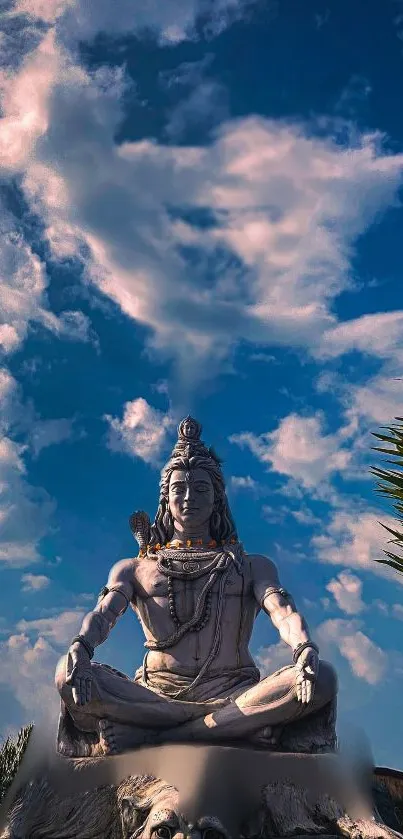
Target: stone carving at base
(146, 807)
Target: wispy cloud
(34, 582)
(29, 657)
(24, 510)
(271, 188)
(379, 334)
(59, 629)
(272, 658)
(354, 538)
(298, 448)
(244, 482)
(170, 23)
(49, 433)
(142, 431)
(366, 659)
(347, 592)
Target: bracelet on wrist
(81, 640)
(298, 650)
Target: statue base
(237, 792)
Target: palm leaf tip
(390, 485)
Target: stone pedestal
(237, 792)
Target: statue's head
(192, 490)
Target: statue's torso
(186, 656)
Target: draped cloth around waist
(219, 685)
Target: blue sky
(201, 212)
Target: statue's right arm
(112, 603)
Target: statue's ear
(132, 816)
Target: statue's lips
(190, 510)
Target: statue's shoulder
(261, 567)
(123, 571)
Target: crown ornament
(189, 442)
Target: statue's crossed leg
(127, 713)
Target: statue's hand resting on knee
(79, 674)
(307, 667)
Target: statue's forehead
(191, 475)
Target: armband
(107, 589)
(85, 643)
(298, 650)
(119, 591)
(280, 591)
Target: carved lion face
(162, 820)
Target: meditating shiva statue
(197, 594)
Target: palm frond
(11, 753)
(390, 485)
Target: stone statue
(197, 594)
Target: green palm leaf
(390, 485)
(11, 753)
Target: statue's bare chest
(154, 584)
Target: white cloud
(305, 516)
(367, 661)
(24, 509)
(28, 662)
(142, 431)
(34, 582)
(355, 539)
(9, 399)
(286, 204)
(379, 334)
(382, 607)
(22, 286)
(397, 610)
(49, 433)
(378, 401)
(272, 658)
(244, 482)
(47, 11)
(298, 448)
(27, 669)
(347, 592)
(59, 629)
(170, 23)
(205, 106)
(25, 102)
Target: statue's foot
(116, 738)
(267, 737)
(72, 742)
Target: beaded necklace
(172, 605)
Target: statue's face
(191, 497)
(189, 428)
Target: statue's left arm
(292, 627)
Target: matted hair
(222, 527)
